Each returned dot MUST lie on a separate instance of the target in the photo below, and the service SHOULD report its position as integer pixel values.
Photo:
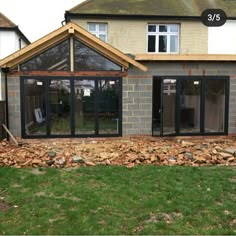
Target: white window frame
(97, 32)
(168, 34)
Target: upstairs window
(163, 38)
(99, 30)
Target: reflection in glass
(215, 105)
(151, 43)
(55, 58)
(190, 92)
(162, 43)
(174, 40)
(59, 102)
(163, 28)
(108, 106)
(87, 59)
(35, 107)
(152, 28)
(169, 96)
(84, 106)
(174, 28)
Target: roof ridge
(8, 22)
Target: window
(72, 106)
(56, 58)
(163, 38)
(99, 30)
(88, 59)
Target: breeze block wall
(137, 91)
(14, 106)
(137, 105)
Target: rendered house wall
(130, 36)
(9, 43)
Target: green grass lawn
(117, 200)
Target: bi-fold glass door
(70, 107)
(190, 105)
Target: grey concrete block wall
(137, 106)
(137, 94)
(142, 123)
(232, 106)
(14, 106)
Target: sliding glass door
(190, 105)
(84, 107)
(59, 96)
(71, 107)
(108, 106)
(169, 106)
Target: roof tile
(5, 22)
(154, 7)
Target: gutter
(69, 16)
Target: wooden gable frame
(62, 33)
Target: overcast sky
(36, 18)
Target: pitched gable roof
(174, 8)
(63, 33)
(5, 22)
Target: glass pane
(169, 96)
(162, 43)
(102, 37)
(55, 59)
(59, 102)
(151, 43)
(156, 106)
(35, 107)
(87, 59)
(190, 92)
(102, 27)
(174, 28)
(163, 28)
(108, 106)
(84, 107)
(91, 27)
(215, 106)
(152, 28)
(174, 43)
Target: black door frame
(202, 104)
(47, 79)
